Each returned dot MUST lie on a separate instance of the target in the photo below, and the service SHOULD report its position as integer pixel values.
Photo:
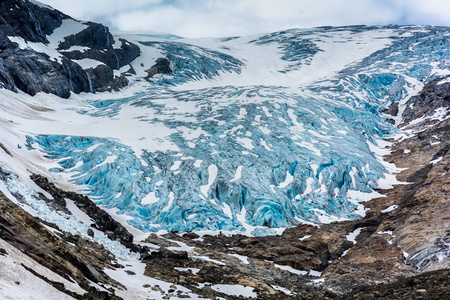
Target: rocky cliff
(32, 63)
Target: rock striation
(30, 69)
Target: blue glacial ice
(193, 62)
(251, 157)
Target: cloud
(431, 12)
(89, 9)
(201, 18)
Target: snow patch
(235, 290)
(150, 199)
(389, 209)
(352, 235)
(238, 174)
(291, 270)
(287, 181)
(304, 238)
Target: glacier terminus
(248, 134)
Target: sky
(221, 18)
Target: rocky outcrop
(434, 96)
(82, 263)
(103, 221)
(101, 46)
(102, 79)
(425, 232)
(32, 71)
(26, 69)
(430, 285)
(162, 66)
(30, 21)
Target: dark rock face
(95, 36)
(431, 285)
(100, 295)
(27, 20)
(432, 97)
(392, 111)
(27, 70)
(163, 253)
(100, 41)
(33, 72)
(162, 66)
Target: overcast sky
(219, 18)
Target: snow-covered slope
(247, 133)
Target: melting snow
(435, 161)
(352, 236)
(304, 238)
(291, 270)
(212, 174)
(282, 289)
(176, 165)
(287, 181)
(235, 290)
(389, 209)
(150, 198)
(193, 270)
(238, 174)
(87, 63)
(244, 259)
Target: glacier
(248, 134)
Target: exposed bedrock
(103, 221)
(31, 22)
(83, 263)
(24, 68)
(162, 66)
(102, 47)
